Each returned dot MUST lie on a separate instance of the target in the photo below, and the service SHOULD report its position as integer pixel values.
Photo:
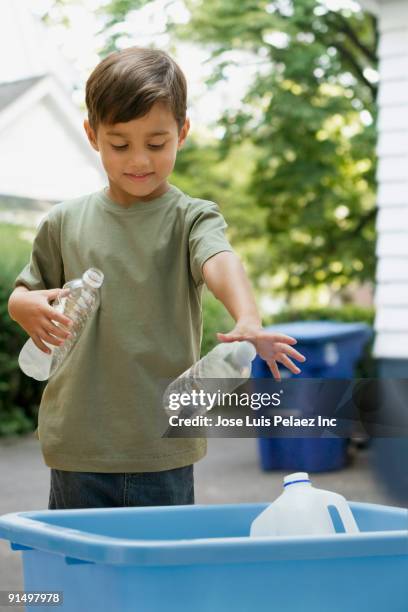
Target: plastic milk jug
(303, 510)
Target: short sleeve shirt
(99, 411)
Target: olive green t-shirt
(98, 412)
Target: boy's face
(136, 157)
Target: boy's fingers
(39, 344)
(54, 315)
(274, 369)
(50, 338)
(51, 294)
(59, 332)
(292, 352)
(289, 364)
(283, 338)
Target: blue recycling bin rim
(322, 331)
(27, 530)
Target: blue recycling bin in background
(332, 350)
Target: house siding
(391, 298)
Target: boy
(156, 247)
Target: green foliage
(347, 314)
(225, 180)
(305, 113)
(215, 319)
(15, 247)
(19, 396)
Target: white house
(44, 153)
(391, 298)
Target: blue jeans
(107, 490)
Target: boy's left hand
(270, 346)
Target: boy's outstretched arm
(226, 278)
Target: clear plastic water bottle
(223, 369)
(303, 510)
(79, 301)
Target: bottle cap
(295, 478)
(244, 353)
(93, 277)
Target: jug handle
(342, 507)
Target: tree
(307, 209)
(310, 113)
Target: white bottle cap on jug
(295, 478)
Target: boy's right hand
(33, 312)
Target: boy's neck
(125, 199)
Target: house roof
(55, 161)
(44, 153)
(12, 90)
(29, 46)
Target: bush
(19, 396)
(215, 319)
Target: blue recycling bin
(332, 350)
(201, 558)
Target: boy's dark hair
(127, 83)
